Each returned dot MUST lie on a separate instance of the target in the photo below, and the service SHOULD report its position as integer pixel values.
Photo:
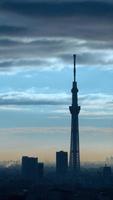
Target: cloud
(21, 131)
(85, 20)
(31, 97)
(96, 130)
(11, 30)
(55, 130)
(95, 105)
(44, 33)
(53, 9)
(53, 53)
(35, 130)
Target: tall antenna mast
(74, 161)
(74, 56)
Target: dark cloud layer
(31, 30)
(11, 30)
(80, 19)
(49, 9)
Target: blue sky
(45, 127)
(36, 74)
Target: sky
(37, 41)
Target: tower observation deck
(74, 160)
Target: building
(29, 167)
(74, 160)
(61, 162)
(32, 169)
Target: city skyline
(36, 73)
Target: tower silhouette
(74, 161)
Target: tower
(74, 161)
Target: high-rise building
(29, 167)
(74, 160)
(32, 169)
(61, 162)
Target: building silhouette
(29, 167)
(74, 160)
(61, 162)
(32, 169)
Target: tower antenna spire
(74, 56)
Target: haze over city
(37, 41)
